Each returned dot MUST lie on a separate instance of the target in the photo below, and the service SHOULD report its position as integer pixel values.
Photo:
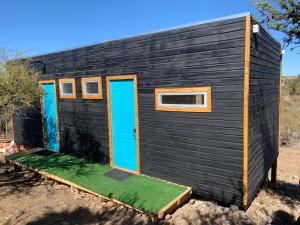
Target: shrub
(293, 86)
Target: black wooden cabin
(202, 101)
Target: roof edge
(233, 16)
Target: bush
(293, 86)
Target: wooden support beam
(182, 198)
(274, 172)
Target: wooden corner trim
(99, 79)
(206, 89)
(246, 109)
(69, 80)
(279, 104)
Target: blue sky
(53, 25)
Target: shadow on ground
(13, 180)
(281, 217)
(82, 216)
(288, 194)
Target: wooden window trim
(207, 90)
(67, 80)
(86, 96)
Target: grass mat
(144, 193)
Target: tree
(284, 16)
(18, 85)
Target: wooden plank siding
(201, 150)
(263, 108)
(28, 128)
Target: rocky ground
(26, 198)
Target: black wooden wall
(202, 150)
(263, 108)
(27, 126)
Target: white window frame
(61, 89)
(91, 81)
(205, 107)
(86, 95)
(160, 95)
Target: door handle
(134, 132)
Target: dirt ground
(26, 198)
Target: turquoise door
(123, 122)
(50, 117)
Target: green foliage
(292, 87)
(290, 111)
(18, 85)
(284, 16)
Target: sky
(39, 27)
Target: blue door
(50, 117)
(123, 123)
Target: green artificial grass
(142, 192)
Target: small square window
(91, 88)
(183, 99)
(67, 88)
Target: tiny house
(197, 105)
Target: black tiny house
(196, 105)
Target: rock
(269, 219)
(110, 204)
(29, 175)
(240, 214)
(65, 223)
(168, 217)
(103, 203)
(192, 201)
(246, 222)
(295, 177)
(225, 210)
(49, 182)
(130, 211)
(256, 203)
(234, 208)
(74, 190)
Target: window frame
(206, 107)
(63, 95)
(91, 79)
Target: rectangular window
(91, 88)
(183, 99)
(67, 88)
